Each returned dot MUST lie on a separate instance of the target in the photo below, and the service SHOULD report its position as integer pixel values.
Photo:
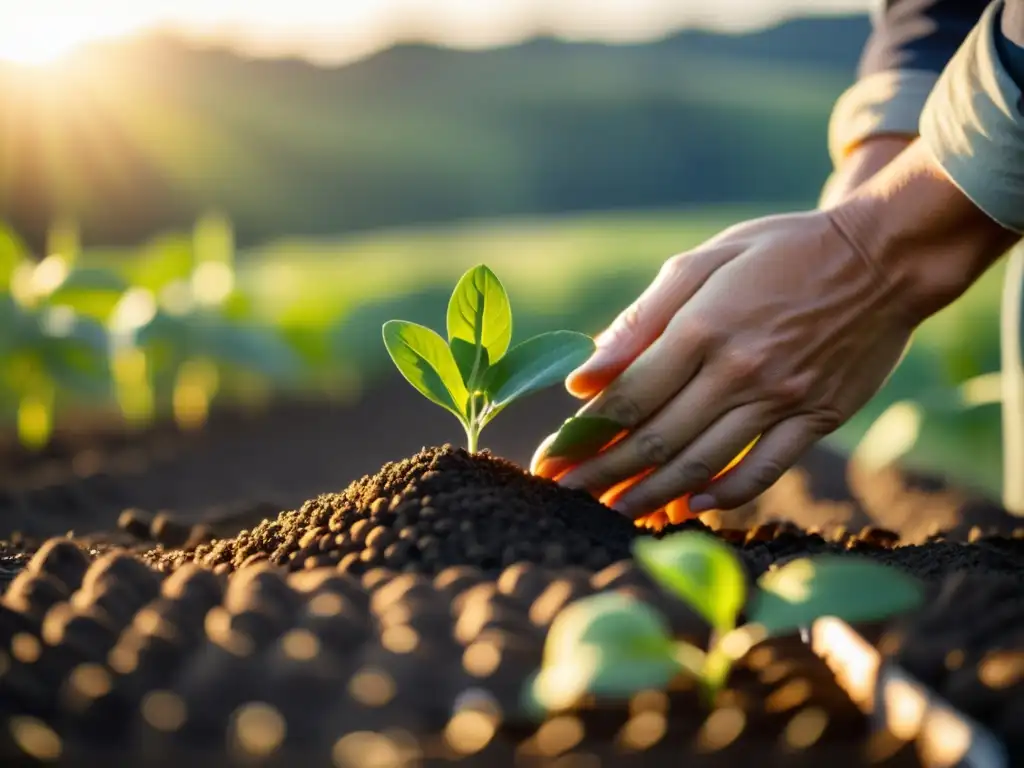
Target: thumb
(643, 321)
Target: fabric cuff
(973, 127)
(887, 102)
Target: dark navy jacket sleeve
(1011, 52)
(919, 35)
(911, 43)
(923, 35)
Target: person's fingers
(636, 328)
(543, 465)
(655, 441)
(554, 467)
(698, 464)
(612, 495)
(777, 450)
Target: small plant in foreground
(474, 374)
(614, 646)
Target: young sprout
(474, 375)
(615, 646)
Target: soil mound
(418, 593)
(444, 507)
(439, 508)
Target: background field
(330, 297)
(359, 193)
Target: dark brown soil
(436, 509)
(110, 659)
(247, 465)
(968, 645)
(434, 567)
(444, 507)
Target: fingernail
(702, 503)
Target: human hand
(778, 329)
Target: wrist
(928, 240)
(861, 163)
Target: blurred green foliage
(137, 138)
(306, 314)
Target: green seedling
(474, 375)
(614, 646)
(47, 347)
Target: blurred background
(210, 202)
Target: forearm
(927, 238)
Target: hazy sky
(40, 30)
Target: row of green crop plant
(166, 327)
(158, 333)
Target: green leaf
(608, 645)
(12, 322)
(252, 348)
(426, 361)
(168, 329)
(466, 357)
(583, 436)
(701, 569)
(92, 279)
(845, 587)
(12, 253)
(84, 289)
(75, 367)
(480, 315)
(536, 364)
(162, 261)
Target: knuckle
(791, 390)
(652, 448)
(764, 475)
(630, 320)
(826, 420)
(621, 409)
(748, 486)
(675, 266)
(694, 473)
(744, 365)
(697, 329)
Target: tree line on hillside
(141, 137)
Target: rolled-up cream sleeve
(973, 125)
(910, 44)
(888, 102)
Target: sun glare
(38, 42)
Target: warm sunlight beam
(37, 41)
